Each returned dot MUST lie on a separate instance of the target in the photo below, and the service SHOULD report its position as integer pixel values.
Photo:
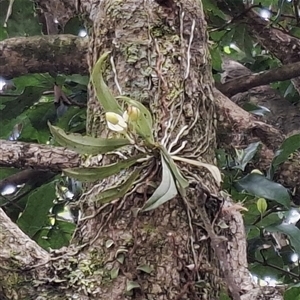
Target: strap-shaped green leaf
(99, 173)
(182, 183)
(86, 144)
(144, 124)
(166, 190)
(120, 190)
(104, 95)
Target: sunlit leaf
(119, 190)
(86, 144)
(98, 173)
(291, 231)
(104, 95)
(144, 124)
(261, 205)
(260, 186)
(166, 190)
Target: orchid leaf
(104, 95)
(182, 183)
(120, 190)
(99, 173)
(166, 190)
(86, 144)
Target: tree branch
(67, 54)
(18, 252)
(282, 73)
(24, 155)
(39, 54)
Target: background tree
(194, 245)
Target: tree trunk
(160, 57)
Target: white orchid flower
(116, 122)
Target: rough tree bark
(160, 57)
(16, 55)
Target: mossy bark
(160, 57)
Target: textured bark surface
(18, 254)
(160, 57)
(20, 56)
(24, 155)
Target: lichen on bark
(159, 56)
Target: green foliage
(99, 173)
(104, 95)
(86, 144)
(35, 215)
(258, 185)
(22, 20)
(288, 147)
(166, 191)
(292, 293)
(27, 106)
(268, 205)
(120, 190)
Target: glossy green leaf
(36, 212)
(182, 183)
(291, 231)
(292, 293)
(98, 173)
(60, 234)
(86, 144)
(260, 186)
(120, 190)
(104, 95)
(289, 146)
(166, 190)
(144, 124)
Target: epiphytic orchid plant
(133, 127)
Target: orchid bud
(133, 113)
